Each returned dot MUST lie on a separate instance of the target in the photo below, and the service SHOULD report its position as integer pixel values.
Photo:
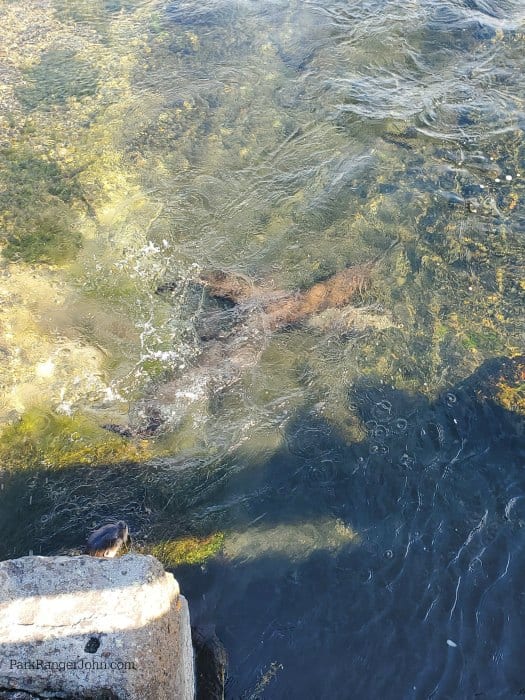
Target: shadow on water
(423, 599)
(426, 601)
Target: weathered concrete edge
(151, 601)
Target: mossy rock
(188, 550)
(42, 437)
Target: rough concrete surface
(86, 627)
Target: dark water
(367, 469)
(427, 604)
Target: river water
(363, 469)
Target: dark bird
(107, 540)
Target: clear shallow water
(371, 500)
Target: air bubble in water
(406, 461)
(379, 449)
(382, 410)
(450, 398)
(381, 432)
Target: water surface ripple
(365, 467)
(426, 603)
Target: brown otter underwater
(279, 309)
(257, 311)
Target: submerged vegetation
(44, 439)
(36, 200)
(47, 238)
(188, 550)
(510, 388)
(58, 76)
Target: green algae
(49, 237)
(36, 203)
(510, 390)
(188, 550)
(60, 75)
(43, 438)
(28, 177)
(487, 341)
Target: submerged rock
(93, 627)
(211, 664)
